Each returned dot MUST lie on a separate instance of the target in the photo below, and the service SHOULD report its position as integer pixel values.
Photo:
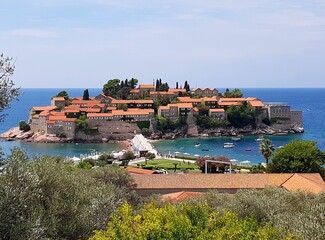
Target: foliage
(145, 132)
(236, 93)
(298, 157)
(187, 86)
(111, 87)
(298, 213)
(182, 222)
(61, 135)
(23, 126)
(8, 91)
(82, 122)
(212, 166)
(258, 168)
(63, 94)
(203, 109)
(45, 198)
(266, 148)
(143, 124)
(161, 86)
(241, 115)
(206, 122)
(85, 95)
(166, 124)
(266, 121)
(84, 165)
(168, 164)
(105, 158)
(150, 155)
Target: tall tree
(132, 83)
(85, 95)
(157, 85)
(126, 83)
(176, 85)
(111, 87)
(185, 85)
(266, 148)
(298, 157)
(8, 91)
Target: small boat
(205, 150)
(235, 139)
(248, 149)
(228, 145)
(197, 144)
(260, 138)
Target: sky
(209, 43)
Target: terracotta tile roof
(233, 99)
(110, 108)
(139, 170)
(50, 122)
(228, 103)
(189, 100)
(72, 110)
(195, 109)
(53, 113)
(176, 90)
(141, 101)
(135, 91)
(91, 110)
(176, 196)
(221, 110)
(99, 115)
(58, 98)
(61, 118)
(146, 86)
(164, 107)
(45, 108)
(304, 182)
(256, 103)
(132, 112)
(181, 105)
(36, 116)
(44, 114)
(210, 99)
(291, 182)
(85, 102)
(194, 89)
(161, 93)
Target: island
(156, 111)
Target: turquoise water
(310, 101)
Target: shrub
(23, 126)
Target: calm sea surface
(309, 100)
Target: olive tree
(8, 91)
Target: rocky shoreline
(14, 134)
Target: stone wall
(114, 127)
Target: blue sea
(309, 100)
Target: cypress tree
(157, 85)
(185, 85)
(126, 84)
(132, 83)
(85, 95)
(176, 85)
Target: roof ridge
(292, 174)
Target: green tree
(183, 222)
(236, 93)
(133, 83)
(46, 198)
(8, 91)
(127, 156)
(23, 126)
(63, 94)
(85, 95)
(82, 122)
(266, 148)
(176, 85)
(298, 157)
(241, 116)
(111, 87)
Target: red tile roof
(176, 196)
(58, 98)
(221, 110)
(292, 182)
(146, 86)
(141, 101)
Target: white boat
(235, 139)
(228, 145)
(261, 138)
(197, 144)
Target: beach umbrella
(177, 152)
(186, 153)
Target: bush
(145, 132)
(23, 126)
(143, 124)
(61, 135)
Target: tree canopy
(183, 222)
(242, 115)
(85, 95)
(298, 157)
(266, 148)
(47, 198)
(236, 93)
(8, 91)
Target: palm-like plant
(266, 148)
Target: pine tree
(126, 83)
(132, 83)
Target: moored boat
(228, 145)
